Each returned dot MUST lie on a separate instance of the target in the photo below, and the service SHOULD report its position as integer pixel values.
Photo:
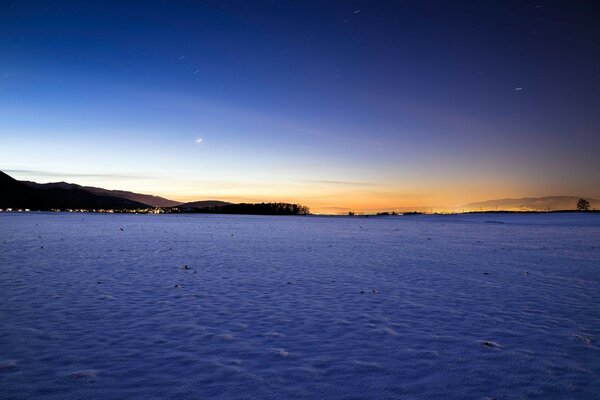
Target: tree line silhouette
(255, 209)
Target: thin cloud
(74, 174)
(346, 183)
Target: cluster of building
(100, 210)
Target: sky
(337, 105)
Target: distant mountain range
(62, 195)
(202, 204)
(551, 203)
(146, 199)
(25, 195)
(16, 194)
(19, 195)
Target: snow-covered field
(421, 307)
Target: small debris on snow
(585, 339)
(489, 343)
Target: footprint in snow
(585, 339)
(84, 374)
(281, 353)
(7, 365)
(228, 337)
(389, 331)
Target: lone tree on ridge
(583, 205)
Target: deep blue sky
(360, 104)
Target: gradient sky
(352, 104)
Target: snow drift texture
(237, 307)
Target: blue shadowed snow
(456, 307)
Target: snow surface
(100, 306)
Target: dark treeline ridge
(251, 208)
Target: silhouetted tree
(583, 205)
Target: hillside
(146, 199)
(16, 194)
(531, 203)
(154, 201)
(202, 204)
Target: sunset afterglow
(394, 107)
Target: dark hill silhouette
(551, 203)
(147, 199)
(15, 194)
(195, 205)
(53, 185)
(151, 200)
